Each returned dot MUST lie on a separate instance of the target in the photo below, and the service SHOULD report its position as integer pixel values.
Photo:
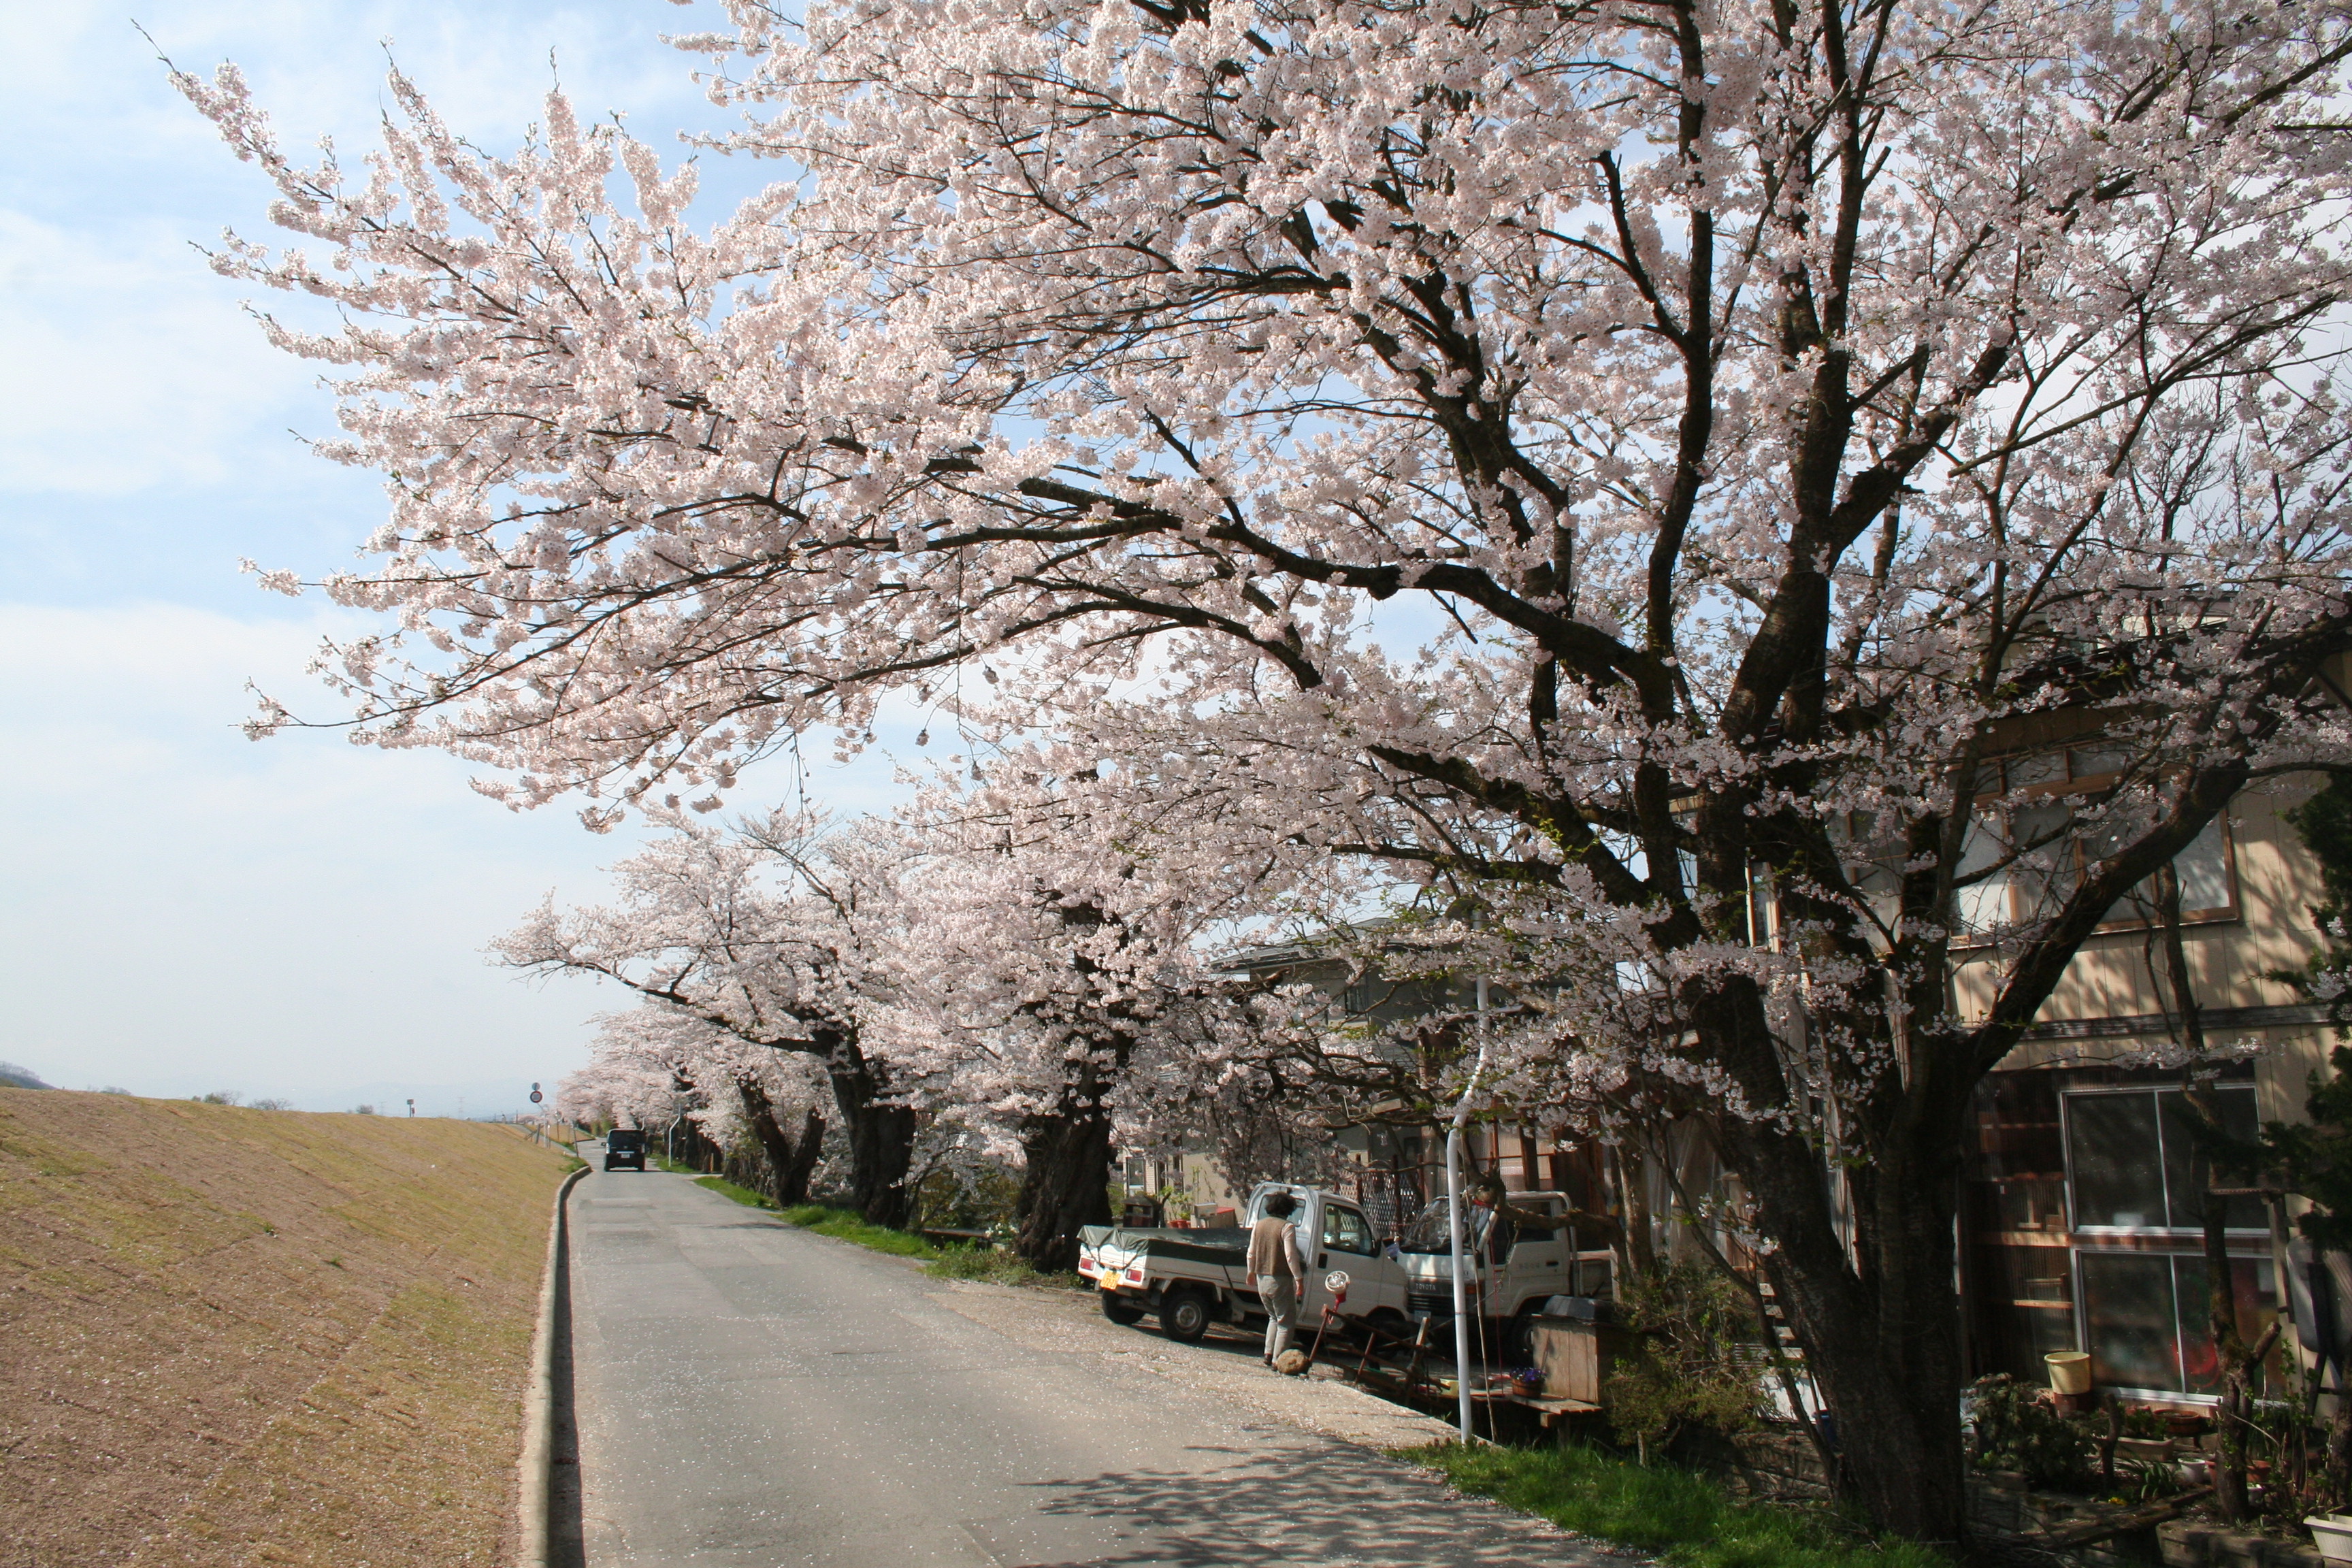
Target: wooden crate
(1575, 1357)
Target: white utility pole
(1454, 1221)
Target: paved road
(749, 1393)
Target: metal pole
(1454, 1221)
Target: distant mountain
(14, 1077)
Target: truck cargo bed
(1227, 1249)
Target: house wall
(2024, 1240)
(2031, 1277)
(2230, 959)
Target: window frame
(2156, 1091)
(2172, 1257)
(1997, 809)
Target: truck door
(1536, 1263)
(1345, 1245)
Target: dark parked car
(624, 1146)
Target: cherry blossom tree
(1057, 990)
(654, 1064)
(768, 935)
(624, 1088)
(1798, 421)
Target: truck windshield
(1428, 1231)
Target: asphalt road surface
(749, 1393)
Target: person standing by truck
(1278, 1266)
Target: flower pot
(2070, 1372)
(2332, 1533)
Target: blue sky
(185, 909)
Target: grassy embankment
(235, 1336)
(1688, 1520)
(944, 1262)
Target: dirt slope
(232, 1336)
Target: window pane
(2093, 762)
(2187, 1205)
(2204, 871)
(2202, 1367)
(1982, 905)
(2127, 1306)
(2118, 1177)
(1344, 1230)
(2252, 1302)
(2038, 768)
(2045, 876)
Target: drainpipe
(1454, 1221)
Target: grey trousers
(1280, 1295)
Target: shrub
(978, 1197)
(1698, 1363)
(997, 1267)
(2018, 1430)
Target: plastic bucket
(2070, 1371)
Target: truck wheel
(1518, 1338)
(1184, 1316)
(1126, 1314)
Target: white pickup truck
(1193, 1279)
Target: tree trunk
(790, 1160)
(1634, 1260)
(2231, 1359)
(881, 1134)
(1065, 1180)
(1887, 1369)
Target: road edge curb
(538, 1465)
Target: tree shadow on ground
(1323, 1504)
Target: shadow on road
(1266, 1512)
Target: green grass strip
(996, 1267)
(1687, 1519)
(727, 1189)
(845, 1225)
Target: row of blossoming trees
(977, 981)
(1591, 460)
